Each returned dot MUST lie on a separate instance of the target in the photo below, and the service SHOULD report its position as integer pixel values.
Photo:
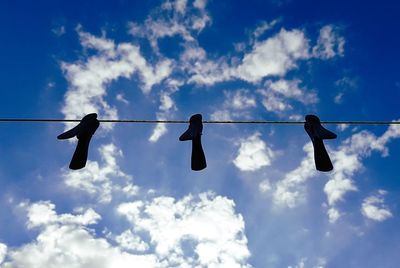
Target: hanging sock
(84, 132)
(317, 134)
(194, 133)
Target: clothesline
(89, 123)
(45, 120)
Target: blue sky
(260, 202)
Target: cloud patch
(374, 208)
(253, 154)
(195, 231)
(274, 56)
(88, 80)
(207, 224)
(100, 180)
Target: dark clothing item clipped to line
(317, 134)
(84, 132)
(194, 133)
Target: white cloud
(342, 127)
(121, 98)
(274, 56)
(253, 154)
(173, 18)
(274, 103)
(202, 231)
(347, 160)
(344, 84)
(290, 191)
(180, 6)
(43, 213)
(159, 131)
(292, 89)
(278, 94)
(65, 241)
(263, 27)
(221, 115)
(374, 208)
(88, 79)
(236, 105)
(338, 98)
(3, 252)
(167, 107)
(130, 241)
(200, 4)
(100, 180)
(329, 43)
(264, 186)
(240, 99)
(333, 214)
(207, 224)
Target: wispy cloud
(278, 95)
(329, 43)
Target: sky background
(260, 202)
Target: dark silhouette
(194, 133)
(317, 134)
(84, 132)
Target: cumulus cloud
(3, 252)
(131, 241)
(43, 213)
(253, 154)
(274, 56)
(101, 180)
(207, 224)
(374, 208)
(196, 231)
(88, 80)
(64, 240)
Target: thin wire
(205, 122)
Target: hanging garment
(193, 133)
(317, 134)
(84, 132)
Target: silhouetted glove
(317, 134)
(84, 132)
(193, 133)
